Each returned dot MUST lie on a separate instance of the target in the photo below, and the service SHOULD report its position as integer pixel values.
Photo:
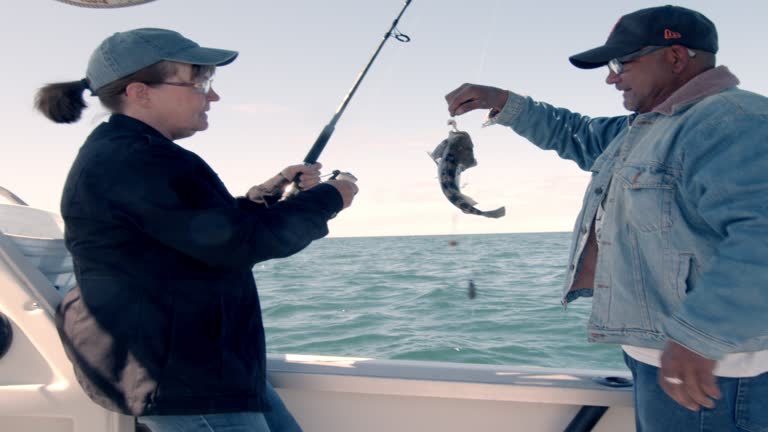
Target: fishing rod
(325, 134)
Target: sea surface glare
(407, 298)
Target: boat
(39, 391)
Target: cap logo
(669, 34)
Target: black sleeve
(168, 197)
(240, 235)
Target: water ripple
(407, 298)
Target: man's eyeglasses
(203, 87)
(617, 65)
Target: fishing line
(325, 134)
(491, 29)
(471, 285)
(467, 281)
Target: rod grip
(319, 145)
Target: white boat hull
(39, 392)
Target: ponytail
(62, 102)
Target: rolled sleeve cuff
(510, 112)
(696, 340)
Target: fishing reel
(292, 189)
(343, 175)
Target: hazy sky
(299, 58)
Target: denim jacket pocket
(686, 270)
(648, 189)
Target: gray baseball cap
(127, 52)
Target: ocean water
(407, 298)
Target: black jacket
(166, 318)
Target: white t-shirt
(734, 365)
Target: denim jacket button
(598, 191)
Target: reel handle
(343, 175)
(292, 190)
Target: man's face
(645, 82)
(181, 111)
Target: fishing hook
(452, 123)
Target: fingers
(291, 171)
(469, 97)
(688, 391)
(674, 387)
(309, 179)
(687, 377)
(460, 96)
(709, 386)
(256, 193)
(346, 189)
(467, 106)
(309, 175)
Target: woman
(165, 323)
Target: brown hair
(63, 102)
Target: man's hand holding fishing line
(469, 97)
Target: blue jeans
(277, 420)
(742, 407)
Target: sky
(299, 58)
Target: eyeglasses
(617, 65)
(203, 87)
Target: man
(672, 239)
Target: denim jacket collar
(705, 84)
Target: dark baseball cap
(657, 26)
(127, 52)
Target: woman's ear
(137, 93)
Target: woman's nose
(212, 95)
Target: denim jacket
(680, 195)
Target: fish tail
(499, 212)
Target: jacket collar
(705, 84)
(130, 123)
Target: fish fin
(439, 151)
(499, 212)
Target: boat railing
(39, 392)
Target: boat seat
(38, 390)
(39, 236)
